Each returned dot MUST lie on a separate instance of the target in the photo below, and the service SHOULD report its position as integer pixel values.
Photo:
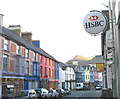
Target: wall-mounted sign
(94, 22)
(100, 67)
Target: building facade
(69, 78)
(20, 66)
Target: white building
(61, 78)
(69, 77)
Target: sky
(58, 24)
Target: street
(89, 94)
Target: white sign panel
(94, 22)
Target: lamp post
(115, 63)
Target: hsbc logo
(93, 18)
(94, 22)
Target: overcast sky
(58, 24)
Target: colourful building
(20, 64)
(49, 71)
(24, 65)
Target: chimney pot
(15, 28)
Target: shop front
(53, 84)
(44, 83)
(31, 82)
(11, 86)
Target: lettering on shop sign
(94, 22)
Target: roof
(10, 35)
(97, 59)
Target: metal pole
(114, 46)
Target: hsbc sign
(94, 22)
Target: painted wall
(61, 77)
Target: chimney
(15, 28)
(27, 36)
(1, 20)
(36, 43)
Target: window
(5, 62)
(6, 44)
(40, 70)
(22, 63)
(27, 53)
(18, 49)
(17, 65)
(45, 70)
(41, 58)
(34, 56)
(45, 61)
(27, 67)
(49, 72)
(34, 69)
(66, 76)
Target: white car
(28, 93)
(54, 93)
(44, 92)
(98, 87)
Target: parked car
(28, 93)
(86, 87)
(53, 93)
(67, 91)
(42, 92)
(61, 92)
(98, 87)
(79, 86)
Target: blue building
(80, 74)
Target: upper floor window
(17, 49)
(45, 61)
(17, 65)
(27, 53)
(27, 67)
(34, 69)
(35, 56)
(41, 71)
(49, 72)
(41, 58)
(22, 63)
(45, 70)
(5, 62)
(6, 44)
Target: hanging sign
(94, 22)
(100, 67)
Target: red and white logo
(93, 18)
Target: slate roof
(97, 59)
(10, 35)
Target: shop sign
(100, 67)
(94, 22)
